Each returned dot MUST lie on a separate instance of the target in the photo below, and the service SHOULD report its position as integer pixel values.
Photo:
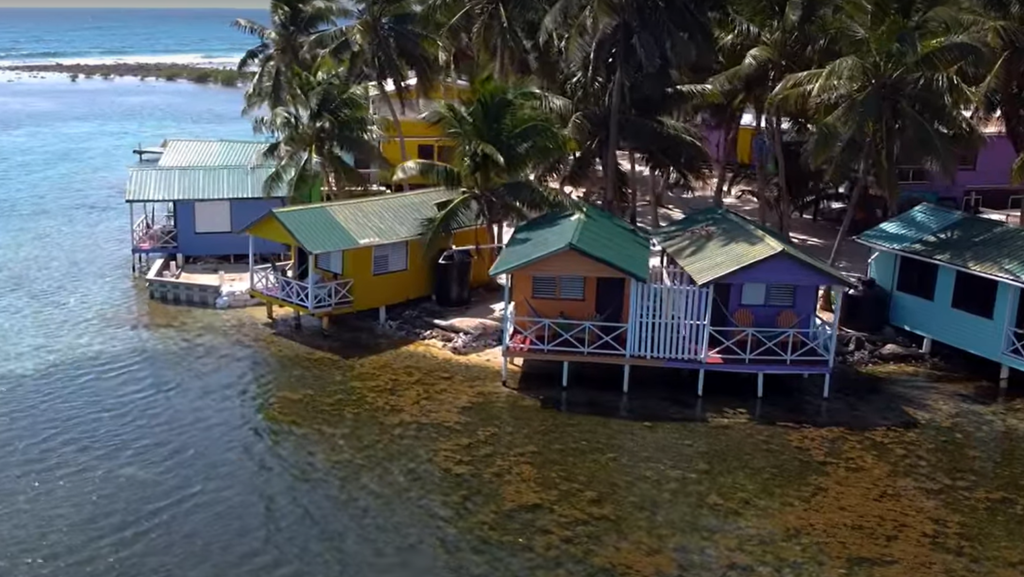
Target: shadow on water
(858, 401)
(350, 337)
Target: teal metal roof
(182, 153)
(333, 226)
(590, 231)
(199, 183)
(954, 238)
(715, 242)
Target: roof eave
(952, 266)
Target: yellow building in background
(361, 254)
(422, 141)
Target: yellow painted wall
(373, 291)
(416, 132)
(745, 145)
(270, 228)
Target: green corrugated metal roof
(591, 231)
(955, 238)
(715, 242)
(210, 183)
(333, 226)
(181, 153)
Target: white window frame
(212, 216)
(397, 254)
(753, 294)
(333, 262)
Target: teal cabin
(198, 197)
(954, 278)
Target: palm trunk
(655, 194)
(762, 175)
(611, 162)
(725, 144)
(780, 162)
(851, 208)
(633, 192)
(398, 126)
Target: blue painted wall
(937, 319)
(243, 213)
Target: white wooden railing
(754, 345)
(1014, 345)
(566, 336)
(150, 233)
(274, 281)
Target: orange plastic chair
(786, 320)
(744, 319)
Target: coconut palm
(782, 37)
(896, 95)
(282, 48)
(610, 44)
(504, 146)
(320, 133)
(385, 43)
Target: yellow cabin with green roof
(360, 254)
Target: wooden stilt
(325, 323)
(926, 346)
(700, 383)
(625, 378)
(297, 319)
(270, 311)
(504, 371)
(825, 389)
(565, 374)
(382, 315)
(760, 385)
(1004, 376)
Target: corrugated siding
(344, 225)
(173, 184)
(591, 232)
(949, 236)
(181, 153)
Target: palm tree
(1002, 91)
(504, 146)
(320, 133)
(610, 44)
(782, 37)
(896, 95)
(282, 48)
(384, 42)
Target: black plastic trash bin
(866, 307)
(452, 275)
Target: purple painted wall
(779, 269)
(992, 169)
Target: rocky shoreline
(143, 70)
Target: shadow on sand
(353, 336)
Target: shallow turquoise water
(142, 439)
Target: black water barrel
(452, 275)
(866, 307)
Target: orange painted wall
(568, 262)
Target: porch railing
(154, 233)
(778, 345)
(1014, 344)
(273, 281)
(566, 336)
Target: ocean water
(142, 439)
(104, 35)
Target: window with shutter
(388, 258)
(213, 216)
(781, 295)
(753, 294)
(559, 287)
(545, 287)
(572, 287)
(331, 262)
